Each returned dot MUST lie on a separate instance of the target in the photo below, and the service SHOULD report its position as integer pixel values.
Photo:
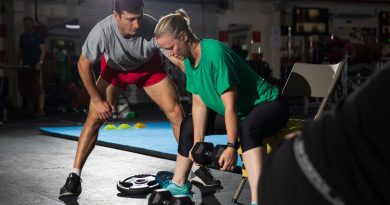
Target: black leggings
(264, 120)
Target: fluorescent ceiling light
(69, 26)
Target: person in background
(222, 83)
(32, 50)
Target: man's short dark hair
(28, 18)
(131, 6)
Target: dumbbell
(164, 197)
(206, 154)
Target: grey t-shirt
(121, 53)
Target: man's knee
(175, 111)
(93, 118)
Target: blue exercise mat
(156, 139)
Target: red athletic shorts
(148, 74)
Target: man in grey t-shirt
(125, 44)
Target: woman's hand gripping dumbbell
(220, 156)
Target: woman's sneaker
(176, 190)
(163, 177)
(204, 180)
(72, 186)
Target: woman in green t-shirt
(222, 84)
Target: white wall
(264, 17)
(203, 18)
(241, 12)
(207, 20)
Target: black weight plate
(138, 184)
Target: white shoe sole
(200, 181)
(69, 194)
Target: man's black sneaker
(72, 186)
(204, 180)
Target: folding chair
(311, 80)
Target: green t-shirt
(220, 68)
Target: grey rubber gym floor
(33, 167)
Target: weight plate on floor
(138, 184)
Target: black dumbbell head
(181, 200)
(201, 153)
(217, 152)
(160, 197)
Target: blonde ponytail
(174, 24)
